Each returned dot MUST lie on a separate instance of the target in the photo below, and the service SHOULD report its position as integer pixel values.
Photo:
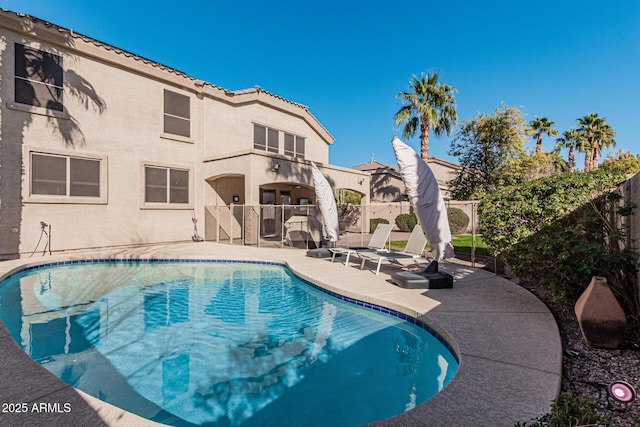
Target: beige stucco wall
(118, 118)
(224, 124)
(391, 210)
(387, 188)
(442, 172)
(114, 112)
(258, 168)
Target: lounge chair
(377, 243)
(413, 250)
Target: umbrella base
(406, 279)
(319, 253)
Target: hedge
(373, 223)
(563, 230)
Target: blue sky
(347, 60)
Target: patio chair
(413, 250)
(376, 243)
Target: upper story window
(294, 145)
(166, 185)
(38, 78)
(56, 175)
(265, 138)
(177, 114)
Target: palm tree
(538, 127)
(604, 139)
(598, 135)
(589, 126)
(428, 106)
(573, 140)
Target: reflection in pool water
(221, 344)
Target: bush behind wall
(458, 221)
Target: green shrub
(406, 222)
(563, 230)
(373, 223)
(570, 411)
(458, 221)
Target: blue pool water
(221, 344)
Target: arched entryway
(224, 222)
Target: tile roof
(146, 61)
(443, 162)
(373, 165)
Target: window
(53, 175)
(265, 138)
(63, 335)
(293, 145)
(38, 78)
(177, 114)
(272, 142)
(161, 308)
(259, 137)
(300, 147)
(289, 144)
(166, 185)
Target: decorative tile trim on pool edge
(402, 316)
(350, 300)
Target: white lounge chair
(377, 243)
(413, 250)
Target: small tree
(621, 162)
(349, 205)
(482, 145)
(528, 167)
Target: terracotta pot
(600, 316)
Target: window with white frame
(265, 138)
(177, 114)
(293, 145)
(38, 78)
(166, 185)
(58, 175)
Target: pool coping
(505, 338)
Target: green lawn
(461, 243)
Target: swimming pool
(213, 343)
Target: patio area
(507, 341)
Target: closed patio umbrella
(326, 203)
(424, 193)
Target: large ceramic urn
(600, 316)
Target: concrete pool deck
(506, 339)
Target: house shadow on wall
(383, 189)
(39, 84)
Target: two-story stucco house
(109, 148)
